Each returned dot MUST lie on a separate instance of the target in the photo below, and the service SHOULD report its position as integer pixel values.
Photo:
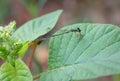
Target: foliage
(95, 53)
(37, 27)
(13, 45)
(8, 47)
(92, 52)
(18, 73)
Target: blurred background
(75, 11)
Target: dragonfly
(72, 30)
(78, 30)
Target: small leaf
(37, 27)
(18, 73)
(3, 53)
(23, 50)
(94, 54)
(2, 56)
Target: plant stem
(36, 76)
(30, 58)
(116, 77)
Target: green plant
(94, 53)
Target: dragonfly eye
(78, 29)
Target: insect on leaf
(95, 54)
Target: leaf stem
(33, 47)
(36, 76)
(30, 58)
(116, 77)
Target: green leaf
(94, 54)
(23, 50)
(18, 73)
(37, 27)
(3, 53)
(2, 56)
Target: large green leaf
(37, 27)
(18, 73)
(95, 53)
